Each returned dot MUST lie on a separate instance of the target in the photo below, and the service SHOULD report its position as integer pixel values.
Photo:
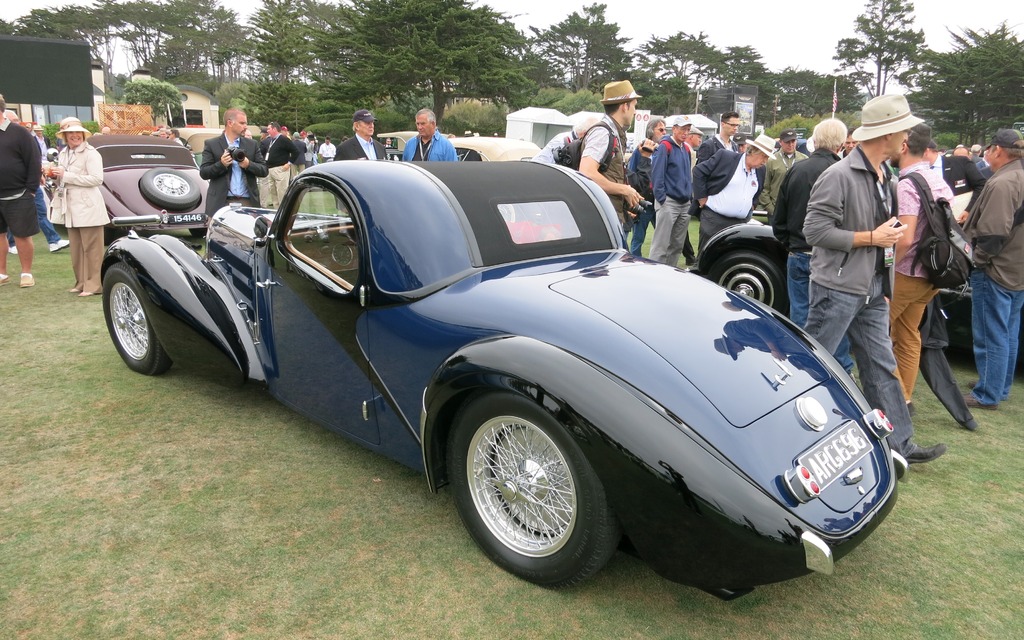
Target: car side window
(322, 233)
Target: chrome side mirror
(261, 231)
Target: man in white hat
(673, 189)
(726, 186)
(604, 145)
(850, 227)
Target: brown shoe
(972, 403)
(27, 280)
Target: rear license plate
(186, 218)
(834, 456)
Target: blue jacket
(440, 149)
(670, 171)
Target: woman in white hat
(79, 174)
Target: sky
(785, 32)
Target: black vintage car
(500, 340)
(749, 260)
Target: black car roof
(481, 187)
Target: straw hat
(884, 115)
(619, 92)
(764, 144)
(71, 125)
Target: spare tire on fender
(170, 189)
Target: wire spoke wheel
(128, 325)
(527, 493)
(129, 321)
(522, 486)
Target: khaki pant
(278, 179)
(86, 257)
(910, 296)
(264, 186)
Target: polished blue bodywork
(669, 384)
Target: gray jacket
(846, 199)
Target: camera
(639, 208)
(51, 157)
(237, 153)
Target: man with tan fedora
(726, 185)
(604, 147)
(849, 225)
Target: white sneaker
(13, 250)
(57, 246)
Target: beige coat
(82, 202)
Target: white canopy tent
(536, 125)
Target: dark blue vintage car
(481, 323)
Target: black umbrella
(935, 368)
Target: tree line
(307, 61)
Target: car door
(311, 325)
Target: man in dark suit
(232, 180)
(362, 146)
(959, 172)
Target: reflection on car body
(502, 342)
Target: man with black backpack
(609, 134)
(997, 283)
(912, 290)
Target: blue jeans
(44, 223)
(640, 230)
(995, 323)
(865, 319)
(798, 282)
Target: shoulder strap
(613, 141)
(925, 194)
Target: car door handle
(268, 283)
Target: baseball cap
(787, 135)
(680, 121)
(363, 115)
(1008, 138)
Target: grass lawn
(138, 507)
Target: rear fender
(758, 238)
(561, 384)
(676, 498)
(190, 308)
